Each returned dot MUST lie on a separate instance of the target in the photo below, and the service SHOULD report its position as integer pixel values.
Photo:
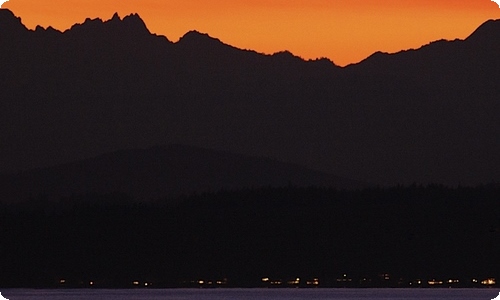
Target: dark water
(251, 294)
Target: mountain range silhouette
(422, 115)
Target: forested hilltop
(397, 236)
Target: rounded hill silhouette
(163, 171)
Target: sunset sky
(344, 31)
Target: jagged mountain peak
(132, 20)
(88, 23)
(115, 17)
(4, 12)
(10, 24)
(132, 24)
(50, 29)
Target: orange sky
(343, 31)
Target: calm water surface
(251, 294)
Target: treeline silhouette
(245, 235)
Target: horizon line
(137, 14)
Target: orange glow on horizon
(343, 31)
